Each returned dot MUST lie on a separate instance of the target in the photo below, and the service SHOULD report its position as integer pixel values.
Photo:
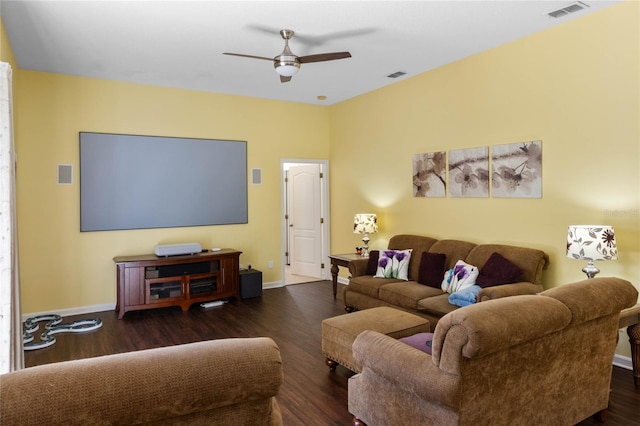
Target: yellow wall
(575, 87)
(63, 268)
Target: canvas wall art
(429, 173)
(516, 170)
(469, 172)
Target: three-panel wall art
(506, 171)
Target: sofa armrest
(358, 267)
(405, 367)
(506, 290)
(147, 386)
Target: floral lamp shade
(591, 242)
(365, 223)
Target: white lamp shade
(365, 223)
(591, 242)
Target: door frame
(324, 202)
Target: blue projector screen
(139, 182)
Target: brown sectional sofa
(216, 382)
(365, 291)
(541, 359)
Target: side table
(340, 260)
(630, 318)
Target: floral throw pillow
(461, 276)
(394, 264)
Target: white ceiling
(180, 43)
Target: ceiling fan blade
(248, 56)
(312, 41)
(320, 57)
(284, 78)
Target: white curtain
(11, 351)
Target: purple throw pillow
(498, 270)
(421, 341)
(372, 266)
(431, 269)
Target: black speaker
(250, 283)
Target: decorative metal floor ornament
(52, 327)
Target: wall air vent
(573, 7)
(396, 74)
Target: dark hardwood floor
(310, 394)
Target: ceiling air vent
(397, 74)
(573, 7)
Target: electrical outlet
(241, 267)
(271, 264)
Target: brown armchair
(217, 382)
(521, 360)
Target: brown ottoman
(338, 333)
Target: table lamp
(365, 223)
(591, 242)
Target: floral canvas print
(516, 170)
(469, 172)
(429, 170)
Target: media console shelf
(149, 281)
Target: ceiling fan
(287, 64)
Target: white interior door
(305, 220)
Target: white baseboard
(622, 361)
(74, 311)
(273, 284)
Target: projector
(177, 249)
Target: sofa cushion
(369, 285)
(406, 294)
(531, 261)
(465, 297)
(498, 270)
(394, 264)
(431, 269)
(437, 306)
(420, 341)
(372, 265)
(454, 250)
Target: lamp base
(365, 249)
(591, 270)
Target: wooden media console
(149, 281)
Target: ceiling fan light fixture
(287, 69)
